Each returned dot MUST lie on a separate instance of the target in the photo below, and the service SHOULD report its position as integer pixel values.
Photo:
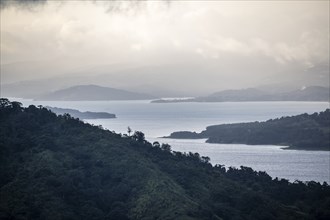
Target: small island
(301, 132)
(82, 115)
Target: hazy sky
(225, 38)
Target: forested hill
(58, 167)
(305, 132)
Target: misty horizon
(165, 48)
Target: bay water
(160, 119)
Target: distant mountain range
(312, 93)
(93, 92)
(82, 115)
(31, 79)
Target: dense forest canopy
(306, 132)
(58, 167)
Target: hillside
(312, 93)
(58, 167)
(81, 115)
(91, 93)
(305, 132)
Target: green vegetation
(58, 167)
(304, 132)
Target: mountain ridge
(93, 92)
(311, 93)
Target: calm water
(288, 164)
(157, 120)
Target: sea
(157, 120)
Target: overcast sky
(217, 34)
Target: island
(82, 115)
(311, 94)
(301, 132)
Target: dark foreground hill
(304, 132)
(57, 167)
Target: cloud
(224, 38)
(22, 4)
(127, 6)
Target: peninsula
(82, 115)
(301, 132)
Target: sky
(192, 47)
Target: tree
(129, 131)
(156, 144)
(166, 147)
(205, 159)
(4, 103)
(138, 136)
(17, 106)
